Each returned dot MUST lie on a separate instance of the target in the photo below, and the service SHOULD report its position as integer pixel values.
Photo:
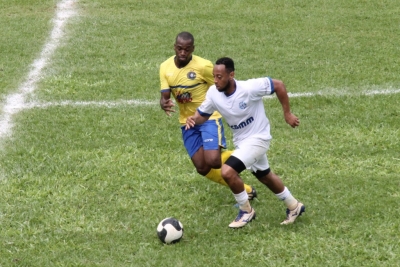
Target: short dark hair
(185, 36)
(228, 62)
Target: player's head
(184, 47)
(224, 73)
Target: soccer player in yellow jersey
(187, 77)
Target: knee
(204, 170)
(214, 163)
(227, 172)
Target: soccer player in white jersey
(241, 104)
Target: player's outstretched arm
(283, 97)
(191, 121)
(166, 103)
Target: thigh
(213, 135)
(252, 152)
(261, 165)
(192, 139)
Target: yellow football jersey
(188, 85)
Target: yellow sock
(215, 174)
(225, 155)
(248, 188)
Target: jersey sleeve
(261, 87)
(164, 86)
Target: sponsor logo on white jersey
(242, 124)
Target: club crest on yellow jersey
(191, 75)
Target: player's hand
(189, 123)
(167, 106)
(292, 120)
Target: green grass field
(90, 164)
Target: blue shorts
(210, 135)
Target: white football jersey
(243, 110)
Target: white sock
(243, 200)
(287, 198)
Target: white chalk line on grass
(335, 92)
(16, 102)
(118, 103)
(108, 104)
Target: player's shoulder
(168, 61)
(254, 81)
(251, 80)
(213, 88)
(244, 83)
(256, 86)
(201, 60)
(212, 91)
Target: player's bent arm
(283, 97)
(281, 93)
(165, 96)
(166, 103)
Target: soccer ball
(170, 231)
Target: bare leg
(233, 179)
(273, 182)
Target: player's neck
(180, 64)
(231, 89)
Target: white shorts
(253, 153)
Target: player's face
(183, 51)
(222, 79)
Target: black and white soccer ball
(170, 231)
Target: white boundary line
(343, 93)
(108, 104)
(16, 102)
(133, 102)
